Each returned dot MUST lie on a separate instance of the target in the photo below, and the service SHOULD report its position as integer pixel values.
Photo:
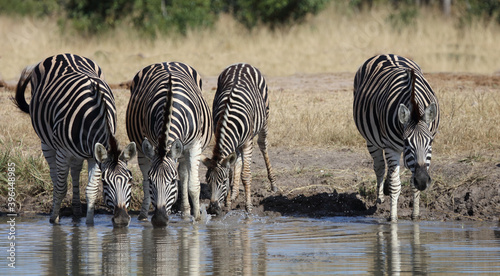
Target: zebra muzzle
(214, 208)
(120, 217)
(421, 178)
(160, 217)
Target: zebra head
(163, 178)
(218, 178)
(417, 138)
(116, 179)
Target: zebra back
(240, 108)
(167, 104)
(74, 121)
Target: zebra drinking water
(396, 111)
(240, 112)
(73, 112)
(168, 116)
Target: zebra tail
(19, 100)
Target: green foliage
(28, 7)
(165, 16)
(404, 14)
(153, 16)
(273, 12)
(479, 9)
(149, 17)
(93, 16)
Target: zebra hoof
(90, 221)
(198, 217)
(380, 200)
(54, 220)
(142, 217)
(391, 219)
(77, 212)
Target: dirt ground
(316, 182)
(332, 182)
(341, 182)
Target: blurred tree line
(163, 16)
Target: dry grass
(333, 41)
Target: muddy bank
(342, 183)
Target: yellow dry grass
(333, 41)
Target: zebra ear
(176, 149)
(229, 160)
(403, 114)
(100, 152)
(148, 149)
(430, 113)
(129, 152)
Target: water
(236, 245)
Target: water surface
(236, 245)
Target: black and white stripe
(73, 112)
(168, 116)
(396, 111)
(240, 111)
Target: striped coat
(396, 111)
(240, 111)
(73, 112)
(168, 116)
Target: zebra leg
(92, 189)
(60, 186)
(144, 165)
(262, 142)
(379, 168)
(193, 164)
(393, 183)
(236, 182)
(183, 170)
(76, 168)
(416, 203)
(246, 174)
(50, 156)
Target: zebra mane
(113, 150)
(167, 118)
(415, 110)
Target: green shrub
(273, 13)
(478, 9)
(29, 7)
(152, 16)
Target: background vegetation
(151, 17)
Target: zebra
(396, 111)
(240, 111)
(73, 112)
(169, 117)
